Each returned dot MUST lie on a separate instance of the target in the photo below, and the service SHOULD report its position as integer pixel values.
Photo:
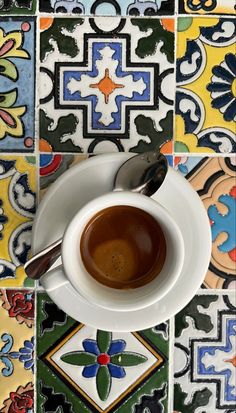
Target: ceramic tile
(17, 208)
(87, 370)
(16, 351)
(17, 65)
(215, 181)
(17, 6)
(207, 6)
(109, 7)
(206, 89)
(106, 85)
(204, 355)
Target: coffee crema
(123, 247)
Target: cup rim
(83, 216)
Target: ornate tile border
(214, 180)
(17, 344)
(17, 84)
(17, 209)
(108, 7)
(204, 361)
(207, 7)
(108, 89)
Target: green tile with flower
(88, 370)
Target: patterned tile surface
(214, 180)
(79, 78)
(204, 355)
(109, 7)
(17, 102)
(16, 351)
(100, 369)
(206, 88)
(207, 6)
(17, 6)
(105, 84)
(17, 208)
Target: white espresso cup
(73, 270)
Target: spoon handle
(43, 260)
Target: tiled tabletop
(82, 77)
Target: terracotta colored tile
(215, 181)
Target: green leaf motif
(147, 45)
(103, 340)
(202, 321)
(146, 127)
(127, 359)
(79, 358)
(8, 99)
(66, 126)
(103, 382)
(8, 69)
(200, 398)
(67, 45)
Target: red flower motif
(19, 305)
(21, 402)
(103, 359)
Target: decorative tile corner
(16, 351)
(206, 88)
(17, 209)
(17, 90)
(215, 181)
(93, 370)
(204, 355)
(17, 7)
(207, 6)
(106, 85)
(108, 7)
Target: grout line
(35, 351)
(39, 13)
(175, 81)
(188, 154)
(37, 89)
(171, 365)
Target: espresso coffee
(123, 247)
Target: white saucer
(94, 177)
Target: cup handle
(54, 279)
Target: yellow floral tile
(16, 350)
(17, 209)
(206, 85)
(207, 6)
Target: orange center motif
(106, 86)
(232, 361)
